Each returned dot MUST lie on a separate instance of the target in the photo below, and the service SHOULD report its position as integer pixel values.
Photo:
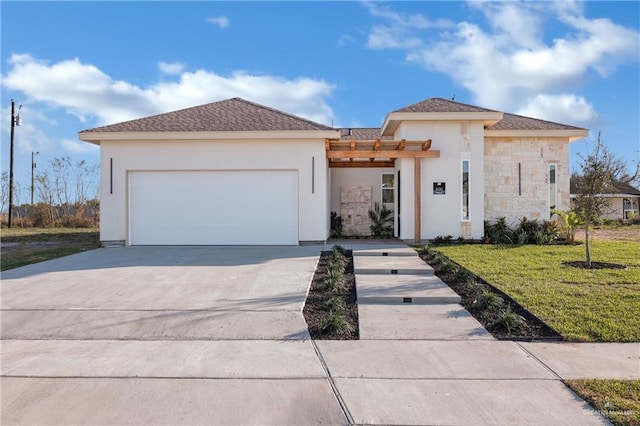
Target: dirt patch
(613, 233)
(331, 312)
(502, 316)
(594, 265)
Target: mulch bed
(594, 265)
(316, 308)
(469, 287)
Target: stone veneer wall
(502, 156)
(355, 202)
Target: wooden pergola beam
(382, 154)
(360, 164)
(426, 145)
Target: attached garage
(226, 173)
(242, 207)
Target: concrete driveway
(163, 335)
(161, 293)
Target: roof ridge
(466, 104)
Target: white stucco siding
(215, 155)
(512, 196)
(441, 215)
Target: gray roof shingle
(508, 122)
(519, 122)
(362, 133)
(442, 105)
(231, 115)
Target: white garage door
(213, 208)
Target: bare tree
(593, 180)
(619, 169)
(4, 194)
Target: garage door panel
(213, 208)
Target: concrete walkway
(424, 360)
(215, 335)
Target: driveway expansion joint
(539, 361)
(334, 387)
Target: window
(553, 189)
(388, 187)
(465, 189)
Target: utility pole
(15, 121)
(33, 167)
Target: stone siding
(502, 156)
(355, 202)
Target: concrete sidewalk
(247, 358)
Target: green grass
(581, 304)
(40, 244)
(617, 400)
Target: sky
(78, 65)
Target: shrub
(510, 321)
(488, 300)
(335, 304)
(334, 279)
(526, 232)
(462, 275)
(337, 323)
(498, 232)
(336, 226)
(381, 221)
(440, 239)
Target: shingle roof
(362, 133)
(442, 105)
(508, 122)
(616, 188)
(519, 122)
(231, 115)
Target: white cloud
(397, 33)
(77, 147)
(221, 21)
(171, 68)
(29, 137)
(85, 91)
(565, 108)
(511, 66)
(346, 40)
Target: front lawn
(581, 304)
(618, 400)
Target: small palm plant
(571, 223)
(381, 221)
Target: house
(235, 172)
(623, 200)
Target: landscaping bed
(502, 316)
(331, 310)
(584, 305)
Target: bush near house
(528, 231)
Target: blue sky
(77, 65)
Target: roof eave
(393, 119)
(96, 137)
(571, 134)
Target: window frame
(553, 188)
(465, 198)
(384, 188)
